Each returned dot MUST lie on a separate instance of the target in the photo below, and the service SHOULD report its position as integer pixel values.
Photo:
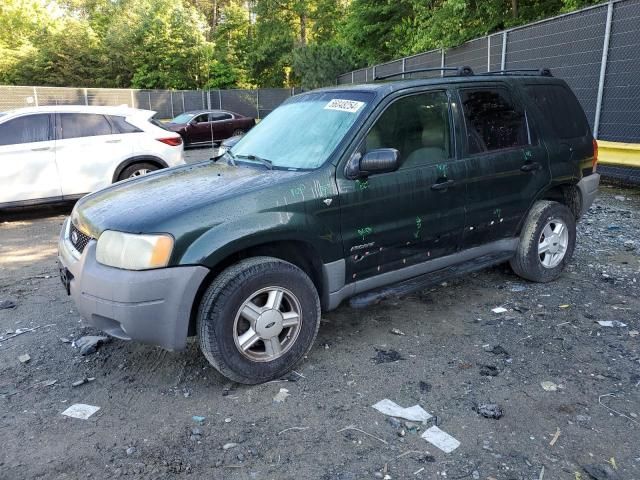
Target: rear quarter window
(560, 108)
(159, 124)
(120, 125)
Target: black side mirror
(380, 160)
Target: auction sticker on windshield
(351, 106)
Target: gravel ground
(192, 155)
(454, 354)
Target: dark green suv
(358, 192)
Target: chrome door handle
(114, 141)
(40, 149)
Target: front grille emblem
(74, 237)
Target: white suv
(50, 154)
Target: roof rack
(543, 72)
(460, 71)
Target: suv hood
(146, 204)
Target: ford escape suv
(355, 192)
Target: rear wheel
(258, 319)
(546, 242)
(137, 170)
(238, 131)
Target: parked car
(60, 153)
(388, 188)
(207, 127)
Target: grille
(78, 239)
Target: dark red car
(206, 127)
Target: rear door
(87, 151)
(27, 159)
(223, 125)
(394, 220)
(507, 164)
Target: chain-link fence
(167, 103)
(596, 50)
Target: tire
(221, 325)
(536, 260)
(138, 169)
(238, 131)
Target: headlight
(133, 252)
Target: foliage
(235, 43)
(319, 64)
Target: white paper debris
(81, 411)
(549, 386)
(281, 396)
(413, 414)
(440, 439)
(350, 106)
(611, 323)
(499, 310)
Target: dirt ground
(446, 361)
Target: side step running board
(427, 280)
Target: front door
(395, 220)
(200, 129)
(506, 163)
(27, 159)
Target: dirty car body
(391, 187)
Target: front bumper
(588, 187)
(150, 306)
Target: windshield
(303, 132)
(183, 118)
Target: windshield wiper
(255, 158)
(230, 158)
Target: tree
(231, 40)
(372, 28)
(318, 65)
(273, 38)
(157, 44)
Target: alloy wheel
(267, 324)
(553, 243)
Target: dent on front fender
(223, 240)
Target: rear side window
(75, 125)
(216, 117)
(121, 125)
(493, 120)
(560, 108)
(27, 129)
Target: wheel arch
(566, 193)
(137, 159)
(300, 253)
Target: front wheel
(238, 132)
(258, 319)
(546, 242)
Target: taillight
(594, 165)
(173, 141)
